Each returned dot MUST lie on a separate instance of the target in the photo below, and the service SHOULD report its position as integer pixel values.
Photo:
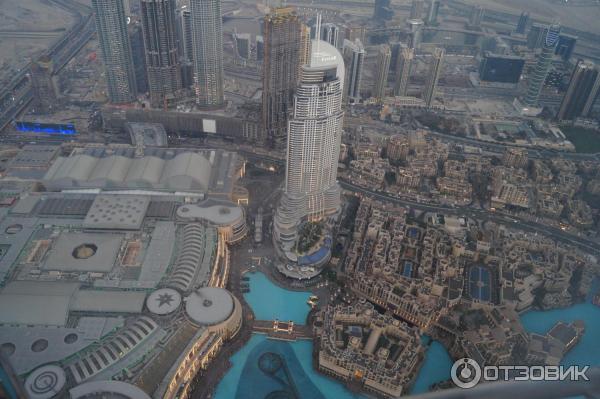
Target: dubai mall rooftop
(108, 288)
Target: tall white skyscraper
(314, 138)
(207, 40)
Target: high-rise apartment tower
(160, 43)
(354, 56)
(544, 61)
(207, 39)
(403, 65)
(383, 68)
(581, 93)
(435, 69)
(416, 9)
(115, 47)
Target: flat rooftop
(84, 252)
(117, 212)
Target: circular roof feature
(8, 348)
(13, 228)
(39, 345)
(71, 338)
(45, 382)
(84, 251)
(163, 301)
(209, 305)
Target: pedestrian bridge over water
(283, 330)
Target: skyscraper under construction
(284, 39)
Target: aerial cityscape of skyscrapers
(325, 199)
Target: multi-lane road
(478, 214)
(15, 96)
(483, 215)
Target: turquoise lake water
(436, 368)
(587, 350)
(270, 302)
(246, 380)
(290, 363)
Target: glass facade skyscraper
(207, 40)
(537, 78)
(160, 42)
(115, 47)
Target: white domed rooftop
(209, 305)
(324, 55)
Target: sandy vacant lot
(572, 14)
(29, 16)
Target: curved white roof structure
(324, 55)
(217, 214)
(145, 172)
(110, 171)
(65, 170)
(188, 171)
(209, 306)
(113, 349)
